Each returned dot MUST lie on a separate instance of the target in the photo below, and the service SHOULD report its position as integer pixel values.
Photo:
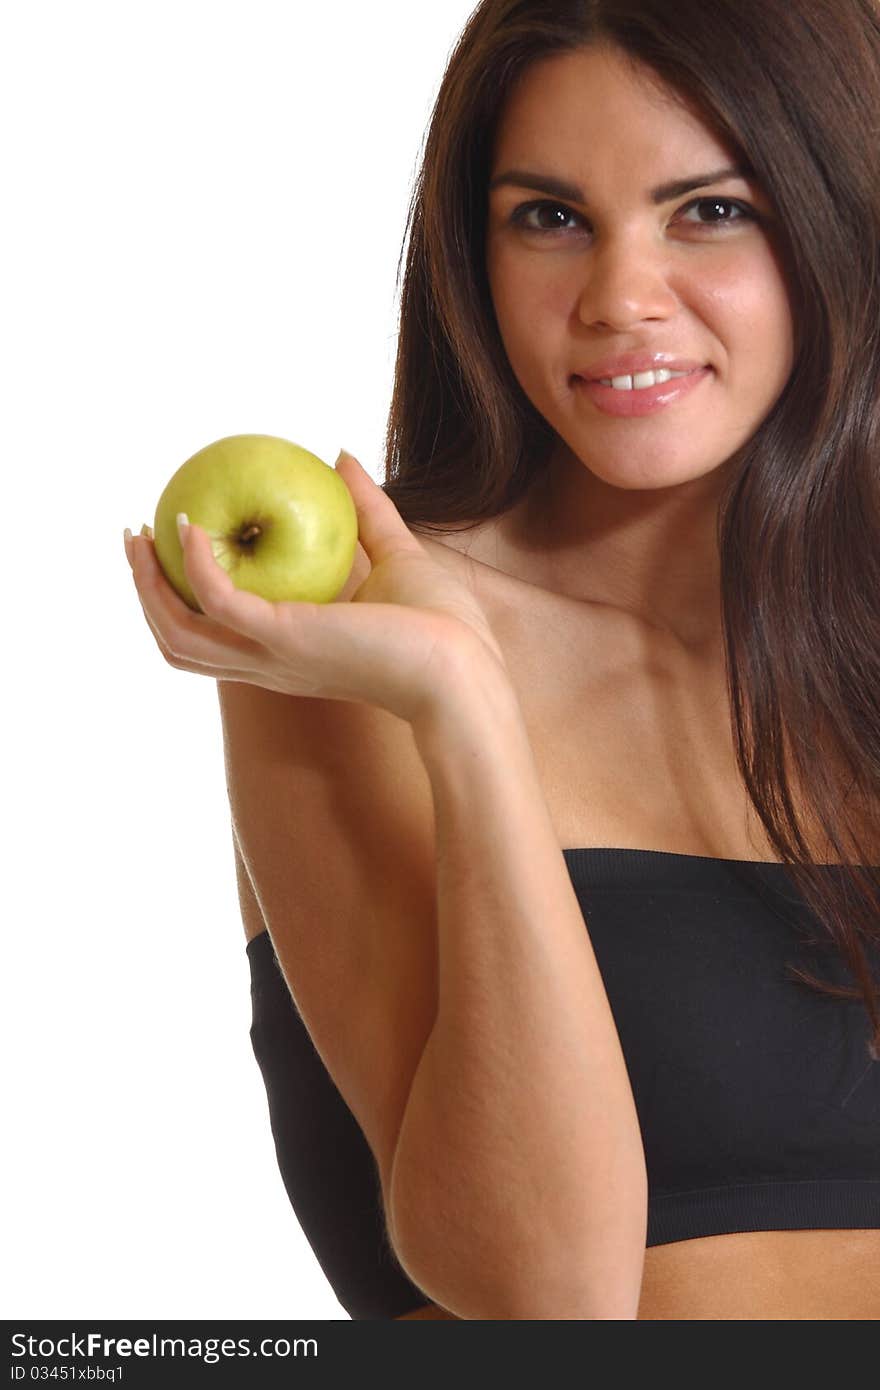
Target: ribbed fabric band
(832, 1203)
(655, 870)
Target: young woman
(561, 886)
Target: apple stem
(250, 533)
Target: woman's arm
(519, 1187)
(511, 1143)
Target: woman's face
(607, 270)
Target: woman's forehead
(570, 111)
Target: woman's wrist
(475, 702)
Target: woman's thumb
(381, 528)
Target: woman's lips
(629, 404)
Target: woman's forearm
(519, 1186)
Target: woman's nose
(624, 284)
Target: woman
(563, 861)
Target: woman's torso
(632, 741)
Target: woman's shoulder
(521, 604)
(481, 552)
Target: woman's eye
(560, 214)
(555, 215)
(714, 204)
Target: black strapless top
(758, 1101)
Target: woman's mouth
(637, 400)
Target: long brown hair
(795, 88)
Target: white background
(203, 209)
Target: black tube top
(758, 1101)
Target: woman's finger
(192, 640)
(248, 614)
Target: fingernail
(182, 523)
(343, 454)
(147, 531)
(126, 535)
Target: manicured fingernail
(182, 523)
(343, 454)
(126, 535)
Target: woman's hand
(408, 628)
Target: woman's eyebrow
(664, 193)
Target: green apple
(282, 522)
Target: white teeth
(641, 380)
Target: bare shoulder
(447, 548)
(457, 548)
(536, 626)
